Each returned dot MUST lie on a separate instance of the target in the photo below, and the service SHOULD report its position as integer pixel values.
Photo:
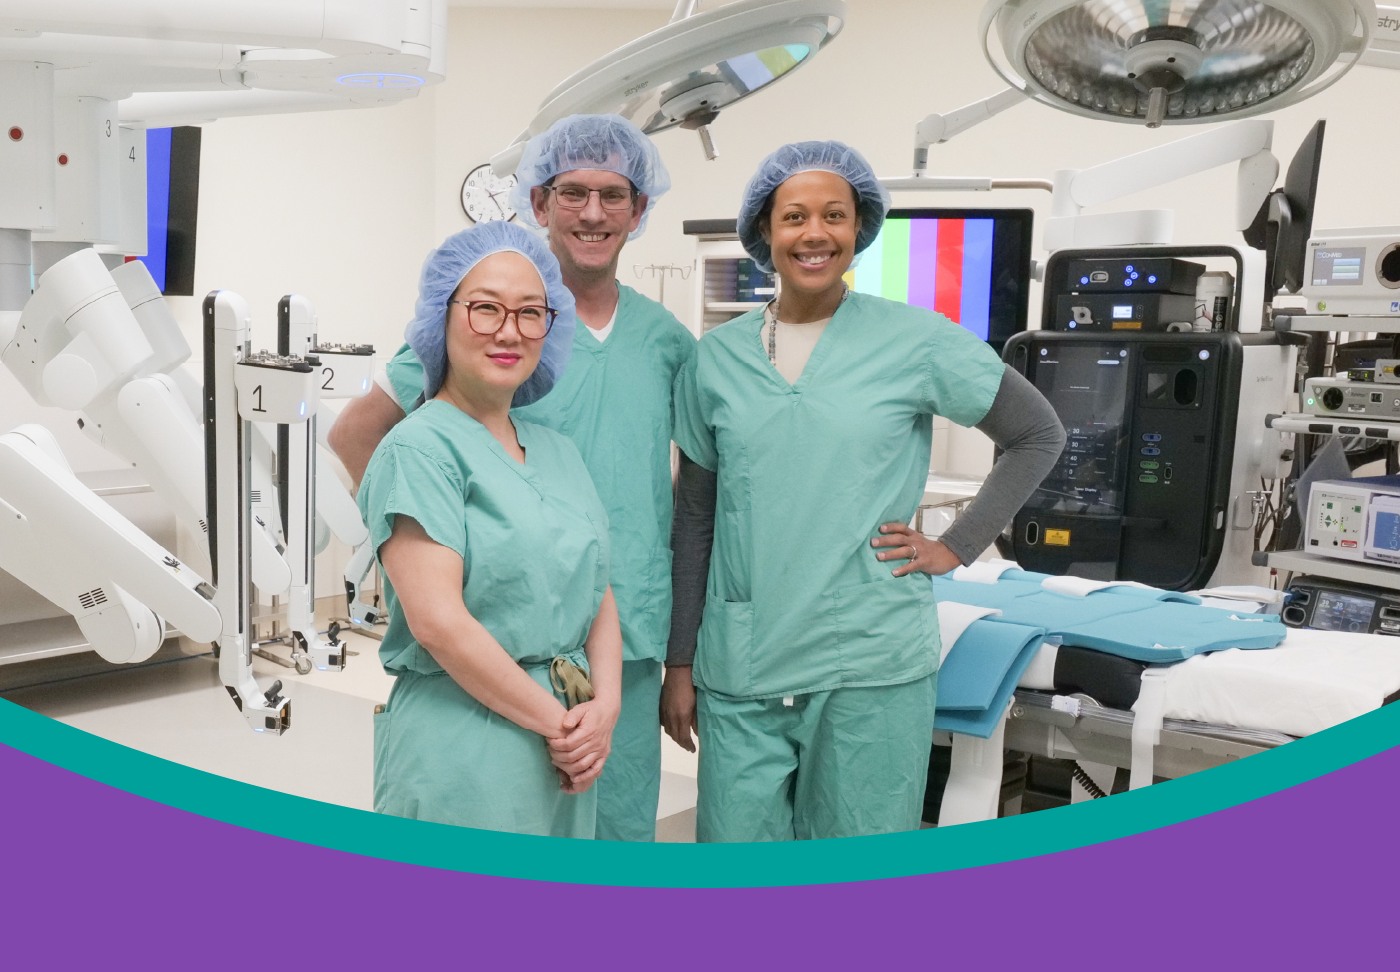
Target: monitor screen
(1342, 612)
(1338, 267)
(971, 265)
(1088, 386)
(172, 207)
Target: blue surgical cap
(444, 270)
(608, 142)
(872, 199)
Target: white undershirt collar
(601, 333)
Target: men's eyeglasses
(576, 197)
(533, 321)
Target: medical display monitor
(971, 265)
(172, 207)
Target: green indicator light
(1312, 401)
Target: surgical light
(1178, 62)
(685, 73)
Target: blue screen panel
(157, 201)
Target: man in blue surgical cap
(589, 182)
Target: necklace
(770, 318)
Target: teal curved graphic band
(682, 865)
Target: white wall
(342, 206)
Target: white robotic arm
(58, 537)
(350, 373)
(100, 342)
(341, 371)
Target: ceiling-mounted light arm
(921, 183)
(684, 9)
(1384, 50)
(1246, 142)
(937, 129)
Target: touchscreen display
(1088, 386)
(1342, 612)
(1338, 267)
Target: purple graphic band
(96, 877)
(1300, 879)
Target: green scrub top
(796, 601)
(615, 403)
(533, 537)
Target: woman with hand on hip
(818, 648)
(503, 633)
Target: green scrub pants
(440, 755)
(833, 764)
(630, 787)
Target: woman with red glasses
(503, 633)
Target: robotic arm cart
(240, 388)
(58, 537)
(307, 499)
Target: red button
(16, 133)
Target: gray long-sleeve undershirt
(1021, 422)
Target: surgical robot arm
(342, 371)
(58, 537)
(105, 344)
(241, 388)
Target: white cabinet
(728, 285)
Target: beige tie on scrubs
(569, 681)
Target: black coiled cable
(1085, 780)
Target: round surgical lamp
(684, 74)
(1174, 62)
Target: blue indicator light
(1127, 283)
(1151, 452)
(1129, 268)
(1151, 437)
(1073, 325)
(1083, 280)
(1152, 278)
(1135, 276)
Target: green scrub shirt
(615, 404)
(796, 601)
(533, 538)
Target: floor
(177, 709)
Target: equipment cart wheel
(303, 663)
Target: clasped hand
(582, 749)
